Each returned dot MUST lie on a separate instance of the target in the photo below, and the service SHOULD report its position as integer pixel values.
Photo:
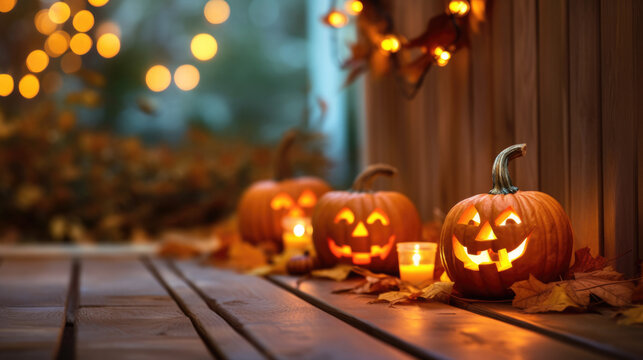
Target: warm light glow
(281, 201)
(158, 78)
(307, 199)
(458, 7)
(361, 258)
(441, 56)
(354, 7)
(108, 45)
(345, 214)
(37, 61)
(416, 257)
(390, 43)
(376, 215)
(44, 25)
(336, 19)
(216, 11)
(186, 77)
(70, 63)
(59, 12)
(203, 47)
(6, 84)
(360, 230)
(6, 6)
(80, 43)
(506, 215)
(472, 262)
(83, 20)
(470, 215)
(98, 3)
(486, 233)
(29, 86)
(57, 43)
(299, 230)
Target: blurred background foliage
(97, 156)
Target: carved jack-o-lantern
(489, 241)
(264, 204)
(361, 227)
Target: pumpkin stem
(283, 168)
(364, 181)
(500, 170)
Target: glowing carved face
(303, 206)
(360, 234)
(485, 238)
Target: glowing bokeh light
(37, 61)
(158, 78)
(6, 84)
(59, 12)
(336, 19)
(6, 6)
(108, 45)
(29, 86)
(203, 47)
(216, 11)
(57, 43)
(354, 7)
(70, 63)
(43, 23)
(83, 21)
(458, 7)
(186, 77)
(80, 44)
(390, 43)
(97, 3)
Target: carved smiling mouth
(503, 258)
(361, 258)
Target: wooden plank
(638, 80)
(437, 329)
(585, 119)
(553, 95)
(525, 53)
(221, 337)
(283, 324)
(619, 133)
(32, 300)
(594, 331)
(125, 313)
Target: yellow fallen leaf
(338, 273)
(394, 296)
(631, 316)
(439, 291)
(532, 295)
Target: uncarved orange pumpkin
(362, 227)
(264, 204)
(489, 241)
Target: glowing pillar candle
(298, 233)
(417, 261)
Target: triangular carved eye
(377, 214)
(307, 199)
(470, 216)
(508, 216)
(345, 214)
(281, 201)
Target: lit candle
(298, 233)
(417, 261)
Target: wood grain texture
(32, 300)
(525, 77)
(553, 123)
(221, 336)
(585, 119)
(619, 133)
(439, 329)
(284, 324)
(125, 313)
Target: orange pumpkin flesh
(264, 204)
(489, 241)
(361, 227)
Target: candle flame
(299, 230)
(416, 257)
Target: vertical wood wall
(563, 76)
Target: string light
(442, 56)
(216, 11)
(390, 43)
(83, 21)
(6, 85)
(37, 61)
(186, 77)
(29, 86)
(80, 44)
(98, 3)
(108, 45)
(57, 43)
(59, 12)
(43, 23)
(158, 78)
(458, 8)
(6, 6)
(336, 19)
(354, 7)
(203, 47)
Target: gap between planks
(67, 343)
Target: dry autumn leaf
(532, 295)
(585, 262)
(607, 284)
(631, 316)
(338, 273)
(438, 291)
